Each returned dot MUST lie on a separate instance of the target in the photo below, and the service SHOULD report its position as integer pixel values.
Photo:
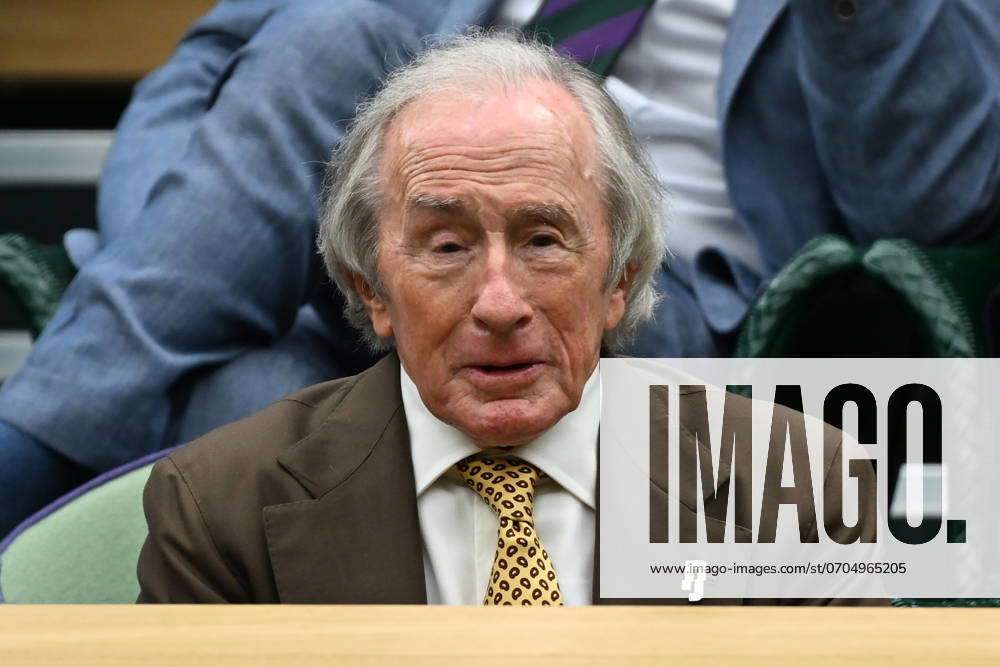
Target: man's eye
(447, 248)
(542, 240)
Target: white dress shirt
(666, 81)
(459, 529)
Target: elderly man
(494, 220)
(491, 217)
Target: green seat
(83, 548)
(894, 298)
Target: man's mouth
(504, 376)
(505, 368)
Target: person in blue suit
(206, 298)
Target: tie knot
(507, 484)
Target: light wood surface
(91, 39)
(221, 636)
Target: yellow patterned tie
(522, 571)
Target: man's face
(493, 251)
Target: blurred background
(67, 68)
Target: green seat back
(84, 551)
(894, 298)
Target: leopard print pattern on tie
(522, 571)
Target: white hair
(483, 61)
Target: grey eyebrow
(553, 214)
(444, 204)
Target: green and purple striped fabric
(592, 32)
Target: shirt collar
(567, 452)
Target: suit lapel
(750, 22)
(358, 540)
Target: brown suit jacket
(311, 500)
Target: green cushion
(84, 552)
(894, 298)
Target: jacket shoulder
(204, 503)
(241, 453)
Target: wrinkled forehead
(536, 113)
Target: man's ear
(376, 306)
(617, 296)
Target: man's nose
(500, 305)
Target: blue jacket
(886, 125)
